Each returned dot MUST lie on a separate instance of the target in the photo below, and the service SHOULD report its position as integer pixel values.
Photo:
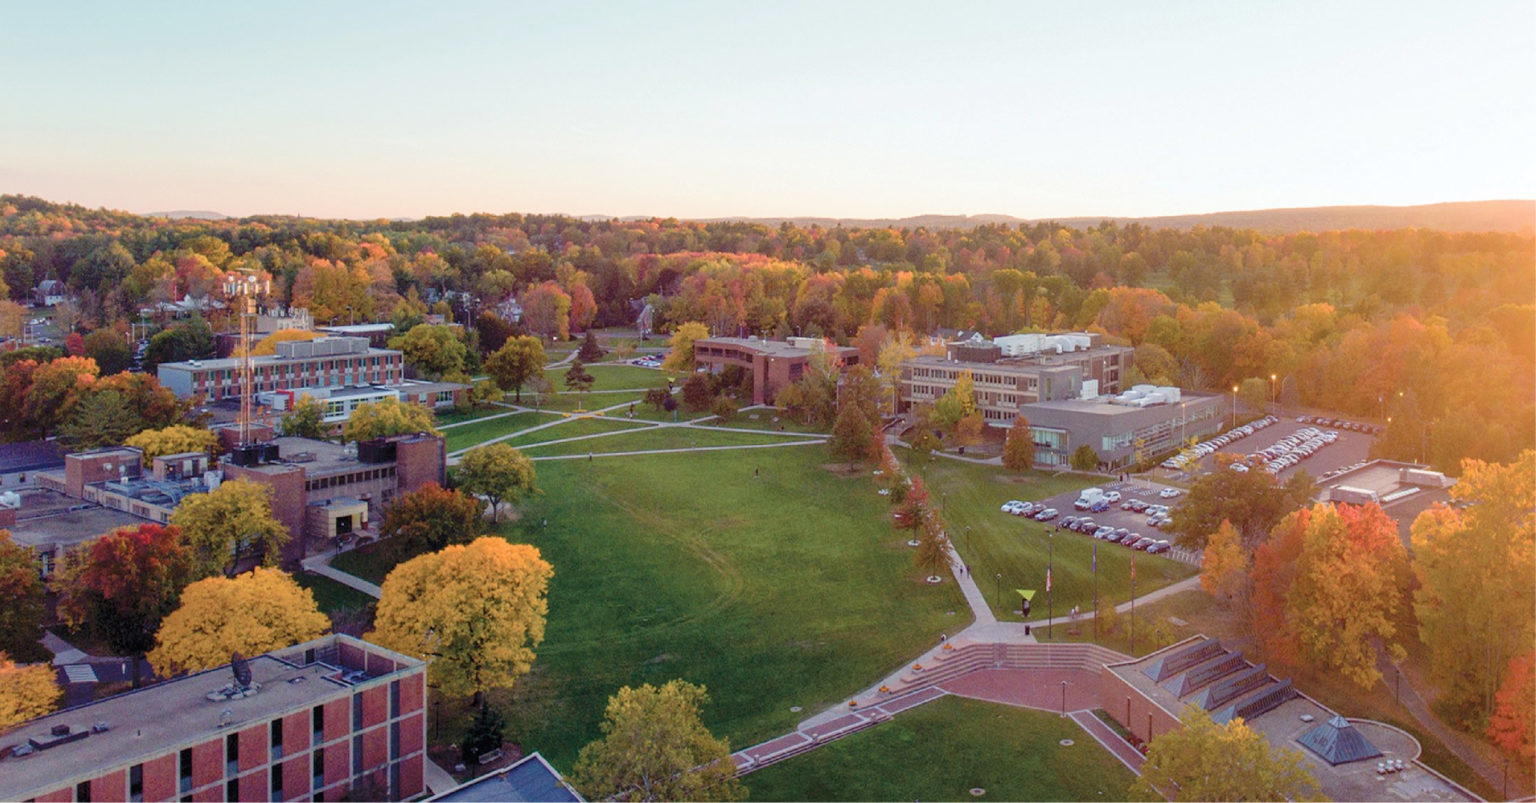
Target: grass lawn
(942, 750)
(765, 420)
(332, 596)
(573, 427)
(457, 416)
(687, 566)
(969, 495)
(481, 431)
(653, 438)
(372, 563)
(568, 402)
(613, 376)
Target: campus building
(1016, 370)
(1147, 695)
(330, 719)
(1144, 420)
(325, 362)
(338, 403)
(772, 364)
(320, 490)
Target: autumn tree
(1084, 458)
(698, 391)
(655, 747)
(268, 345)
(590, 351)
(100, 419)
(174, 439)
(1224, 568)
(1201, 760)
(306, 419)
(933, 556)
(122, 585)
(56, 387)
(579, 380)
(432, 351)
(1510, 724)
(21, 598)
(109, 350)
(1274, 570)
(680, 345)
(1346, 597)
(1475, 602)
(546, 310)
(228, 525)
(913, 511)
(519, 360)
(251, 614)
(26, 691)
(850, 434)
(1019, 448)
(1252, 501)
(477, 609)
(497, 472)
(430, 518)
(956, 403)
(387, 417)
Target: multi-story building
(338, 404)
(325, 362)
(772, 364)
(331, 719)
(1144, 421)
(1016, 370)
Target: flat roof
(530, 780)
(772, 348)
(1402, 501)
(1104, 408)
(167, 716)
(357, 328)
(30, 455)
(267, 359)
(46, 519)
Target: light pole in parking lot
(1273, 396)
(1234, 406)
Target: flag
(1133, 567)
(1047, 578)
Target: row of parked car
(1034, 510)
(648, 361)
(1339, 423)
(1182, 460)
(1115, 535)
(1288, 451)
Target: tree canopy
(174, 439)
(387, 417)
(26, 691)
(252, 613)
(21, 598)
(497, 472)
(1019, 447)
(430, 518)
(655, 747)
(229, 524)
(517, 361)
(1201, 760)
(433, 351)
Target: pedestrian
(589, 457)
(754, 471)
(546, 524)
(943, 637)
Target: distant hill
(192, 213)
(1515, 216)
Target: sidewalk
(321, 565)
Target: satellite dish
(242, 669)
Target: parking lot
(1348, 449)
(1115, 516)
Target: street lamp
(1272, 394)
(999, 589)
(1234, 406)
(1063, 699)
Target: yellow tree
(497, 472)
(174, 439)
(1224, 568)
(26, 691)
(1347, 595)
(387, 417)
(251, 614)
(680, 357)
(1205, 761)
(655, 747)
(478, 611)
(1475, 603)
(268, 344)
(228, 524)
(1019, 448)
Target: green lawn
(613, 376)
(457, 416)
(332, 596)
(652, 438)
(688, 566)
(372, 563)
(765, 420)
(1019, 549)
(481, 431)
(573, 427)
(942, 750)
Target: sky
(837, 109)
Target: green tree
(723, 408)
(386, 417)
(519, 360)
(655, 747)
(430, 518)
(21, 598)
(1084, 458)
(192, 340)
(251, 614)
(109, 350)
(956, 403)
(590, 351)
(698, 391)
(497, 472)
(680, 356)
(228, 525)
(306, 419)
(850, 435)
(1204, 761)
(1252, 501)
(432, 351)
(100, 419)
(579, 380)
(477, 609)
(1019, 448)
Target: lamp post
(1063, 699)
(1050, 594)
(1273, 397)
(1234, 406)
(999, 589)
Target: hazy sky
(846, 109)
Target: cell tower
(243, 289)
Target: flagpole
(1050, 595)
(1095, 592)
(1133, 606)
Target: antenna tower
(243, 290)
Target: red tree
(1274, 568)
(1514, 707)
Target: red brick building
(772, 364)
(323, 720)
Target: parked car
(1143, 543)
(1012, 506)
(1168, 493)
(1099, 506)
(1112, 497)
(1158, 547)
(1046, 515)
(1104, 532)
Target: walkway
(1453, 740)
(321, 565)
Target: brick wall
(254, 750)
(288, 500)
(160, 779)
(112, 786)
(1131, 708)
(419, 461)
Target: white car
(1112, 496)
(1168, 493)
(1012, 506)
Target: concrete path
(63, 651)
(1454, 740)
(438, 780)
(321, 565)
(1105, 735)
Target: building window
(317, 720)
(357, 755)
(357, 712)
(232, 754)
(277, 739)
(277, 782)
(136, 783)
(83, 791)
(232, 790)
(394, 740)
(394, 699)
(186, 770)
(317, 768)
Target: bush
(724, 409)
(698, 392)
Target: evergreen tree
(850, 434)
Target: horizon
(857, 111)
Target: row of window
(338, 480)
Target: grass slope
(653, 438)
(940, 751)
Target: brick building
(330, 719)
(772, 364)
(325, 362)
